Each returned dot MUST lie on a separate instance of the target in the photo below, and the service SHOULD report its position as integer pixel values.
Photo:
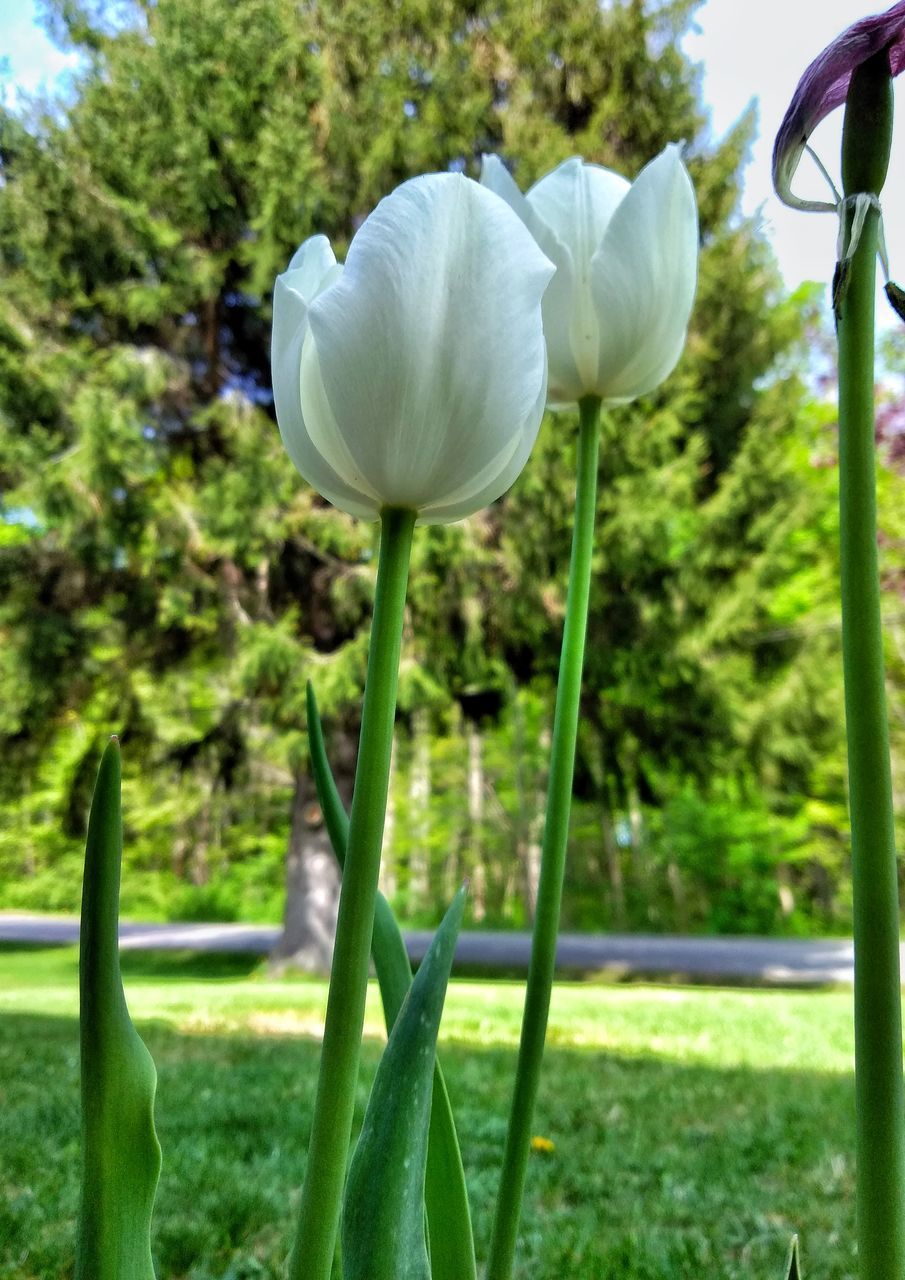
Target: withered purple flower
(824, 86)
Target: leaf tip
(793, 1266)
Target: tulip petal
(643, 279)
(325, 435)
(312, 269)
(496, 478)
(497, 178)
(578, 201)
(557, 303)
(565, 381)
(309, 267)
(431, 346)
(824, 86)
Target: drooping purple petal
(824, 86)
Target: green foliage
(164, 573)
(727, 849)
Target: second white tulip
(617, 310)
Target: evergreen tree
(164, 572)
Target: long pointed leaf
(793, 1266)
(383, 1228)
(121, 1154)
(328, 796)
(446, 1195)
(394, 972)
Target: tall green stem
(553, 853)
(880, 1115)
(312, 1254)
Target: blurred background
(166, 575)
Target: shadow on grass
(61, 962)
(659, 1171)
(190, 965)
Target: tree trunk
(452, 869)
(531, 790)
(476, 820)
(638, 845)
(785, 890)
(312, 887)
(614, 867)
(677, 889)
(388, 882)
(419, 813)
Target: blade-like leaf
(121, 1154)
(896, 296)
(793, 1266)
(383, 1233)
(394, 972)
(446, 1196)
(335, 816)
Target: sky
(759, 51)
(751, 50)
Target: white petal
(497, 178)
(334, 470)
(577, 201)
(497, 479)
(431, 346)
(557, 304)
(312, 268)
(290, 329)
(312, 261)
(643, 279)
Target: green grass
(694, 1129)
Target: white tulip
(616, 313)
(416, 376)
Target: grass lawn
(694, 1129)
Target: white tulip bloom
(415, 376)
(616, 313)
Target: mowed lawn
(694, 1130)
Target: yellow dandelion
(542, 1144)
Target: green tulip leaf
(394, 972)
(793, 1266)
(120, 1151)
(896, 298)
(329, 799)
(383, 1224)
(446, 1196)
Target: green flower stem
(452, 1253)
(553, 853)
(880, 1116)
(312, 1254)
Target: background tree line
(165, 573)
